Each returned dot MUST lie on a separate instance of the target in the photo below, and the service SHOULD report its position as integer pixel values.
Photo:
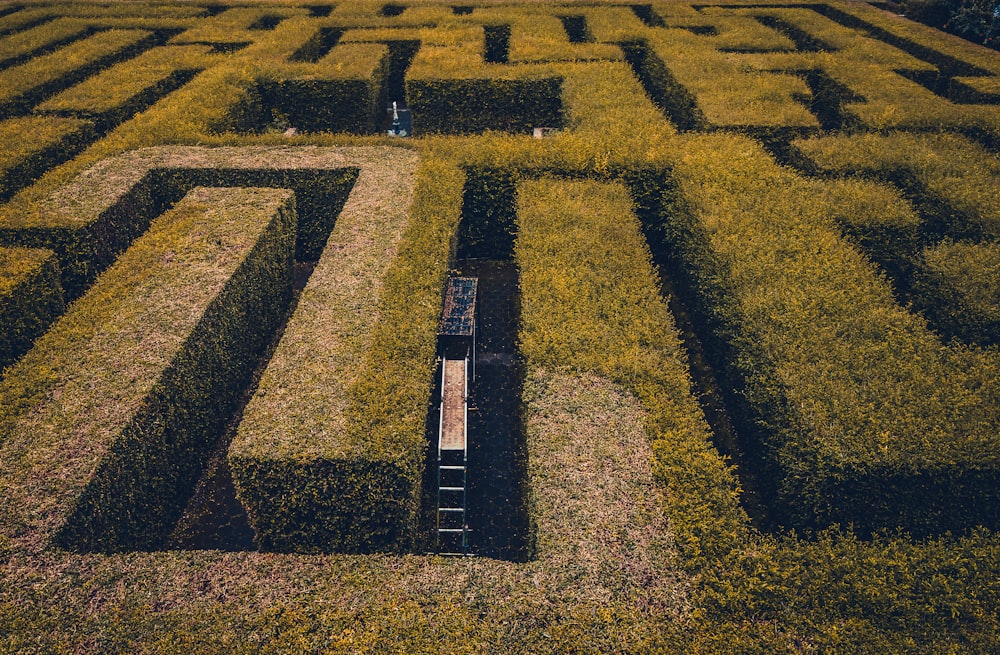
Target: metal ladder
(452, 526)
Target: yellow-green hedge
(859, 412)
(311, 479)
(958, 283)
(114, 95)
(114, 411)
(52, 141)
(30, 298)
(24, 85)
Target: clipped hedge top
(867, 382)
(82, 201)
(23, 78)
(115, 86)
(65, 402)
(949, 165)
(298, 410)
(45, 132)
(18, 263)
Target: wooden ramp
(453, 405)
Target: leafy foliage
(814, 182)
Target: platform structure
(457, 343)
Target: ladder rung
(451, 509)
(453, 530)
(451, 468)
(452, 488)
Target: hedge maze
(740, 370)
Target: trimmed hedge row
(727, 92)
(452, 90)
(21, 87)
(477, 105)
(108, 420)
(538, 34)
(948, 166)
(53, 141)
(861, 415)
(22, 46)
(234, 24)
(592, 302)
(958, 283)
(30, 298)
(117, 93)
(736, 31)
(952, 183)
(309, 480)
(92, 219)
(342, 92)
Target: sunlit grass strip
(295, 455)
(856, 398)
(107, 418)
(30, 298)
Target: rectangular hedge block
(310, 479)
(464, 106)
(342, 92)
(30, 298)
(107, 421)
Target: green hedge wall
(342, 92)
(92, 219)
(53, 141)
(319, 195)
(464, 106)
(858, 413)
(958, 283)
(30, 298)
(135, 495)
(116, 94)
(311, 477)
(115, 408)
(23, 86)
